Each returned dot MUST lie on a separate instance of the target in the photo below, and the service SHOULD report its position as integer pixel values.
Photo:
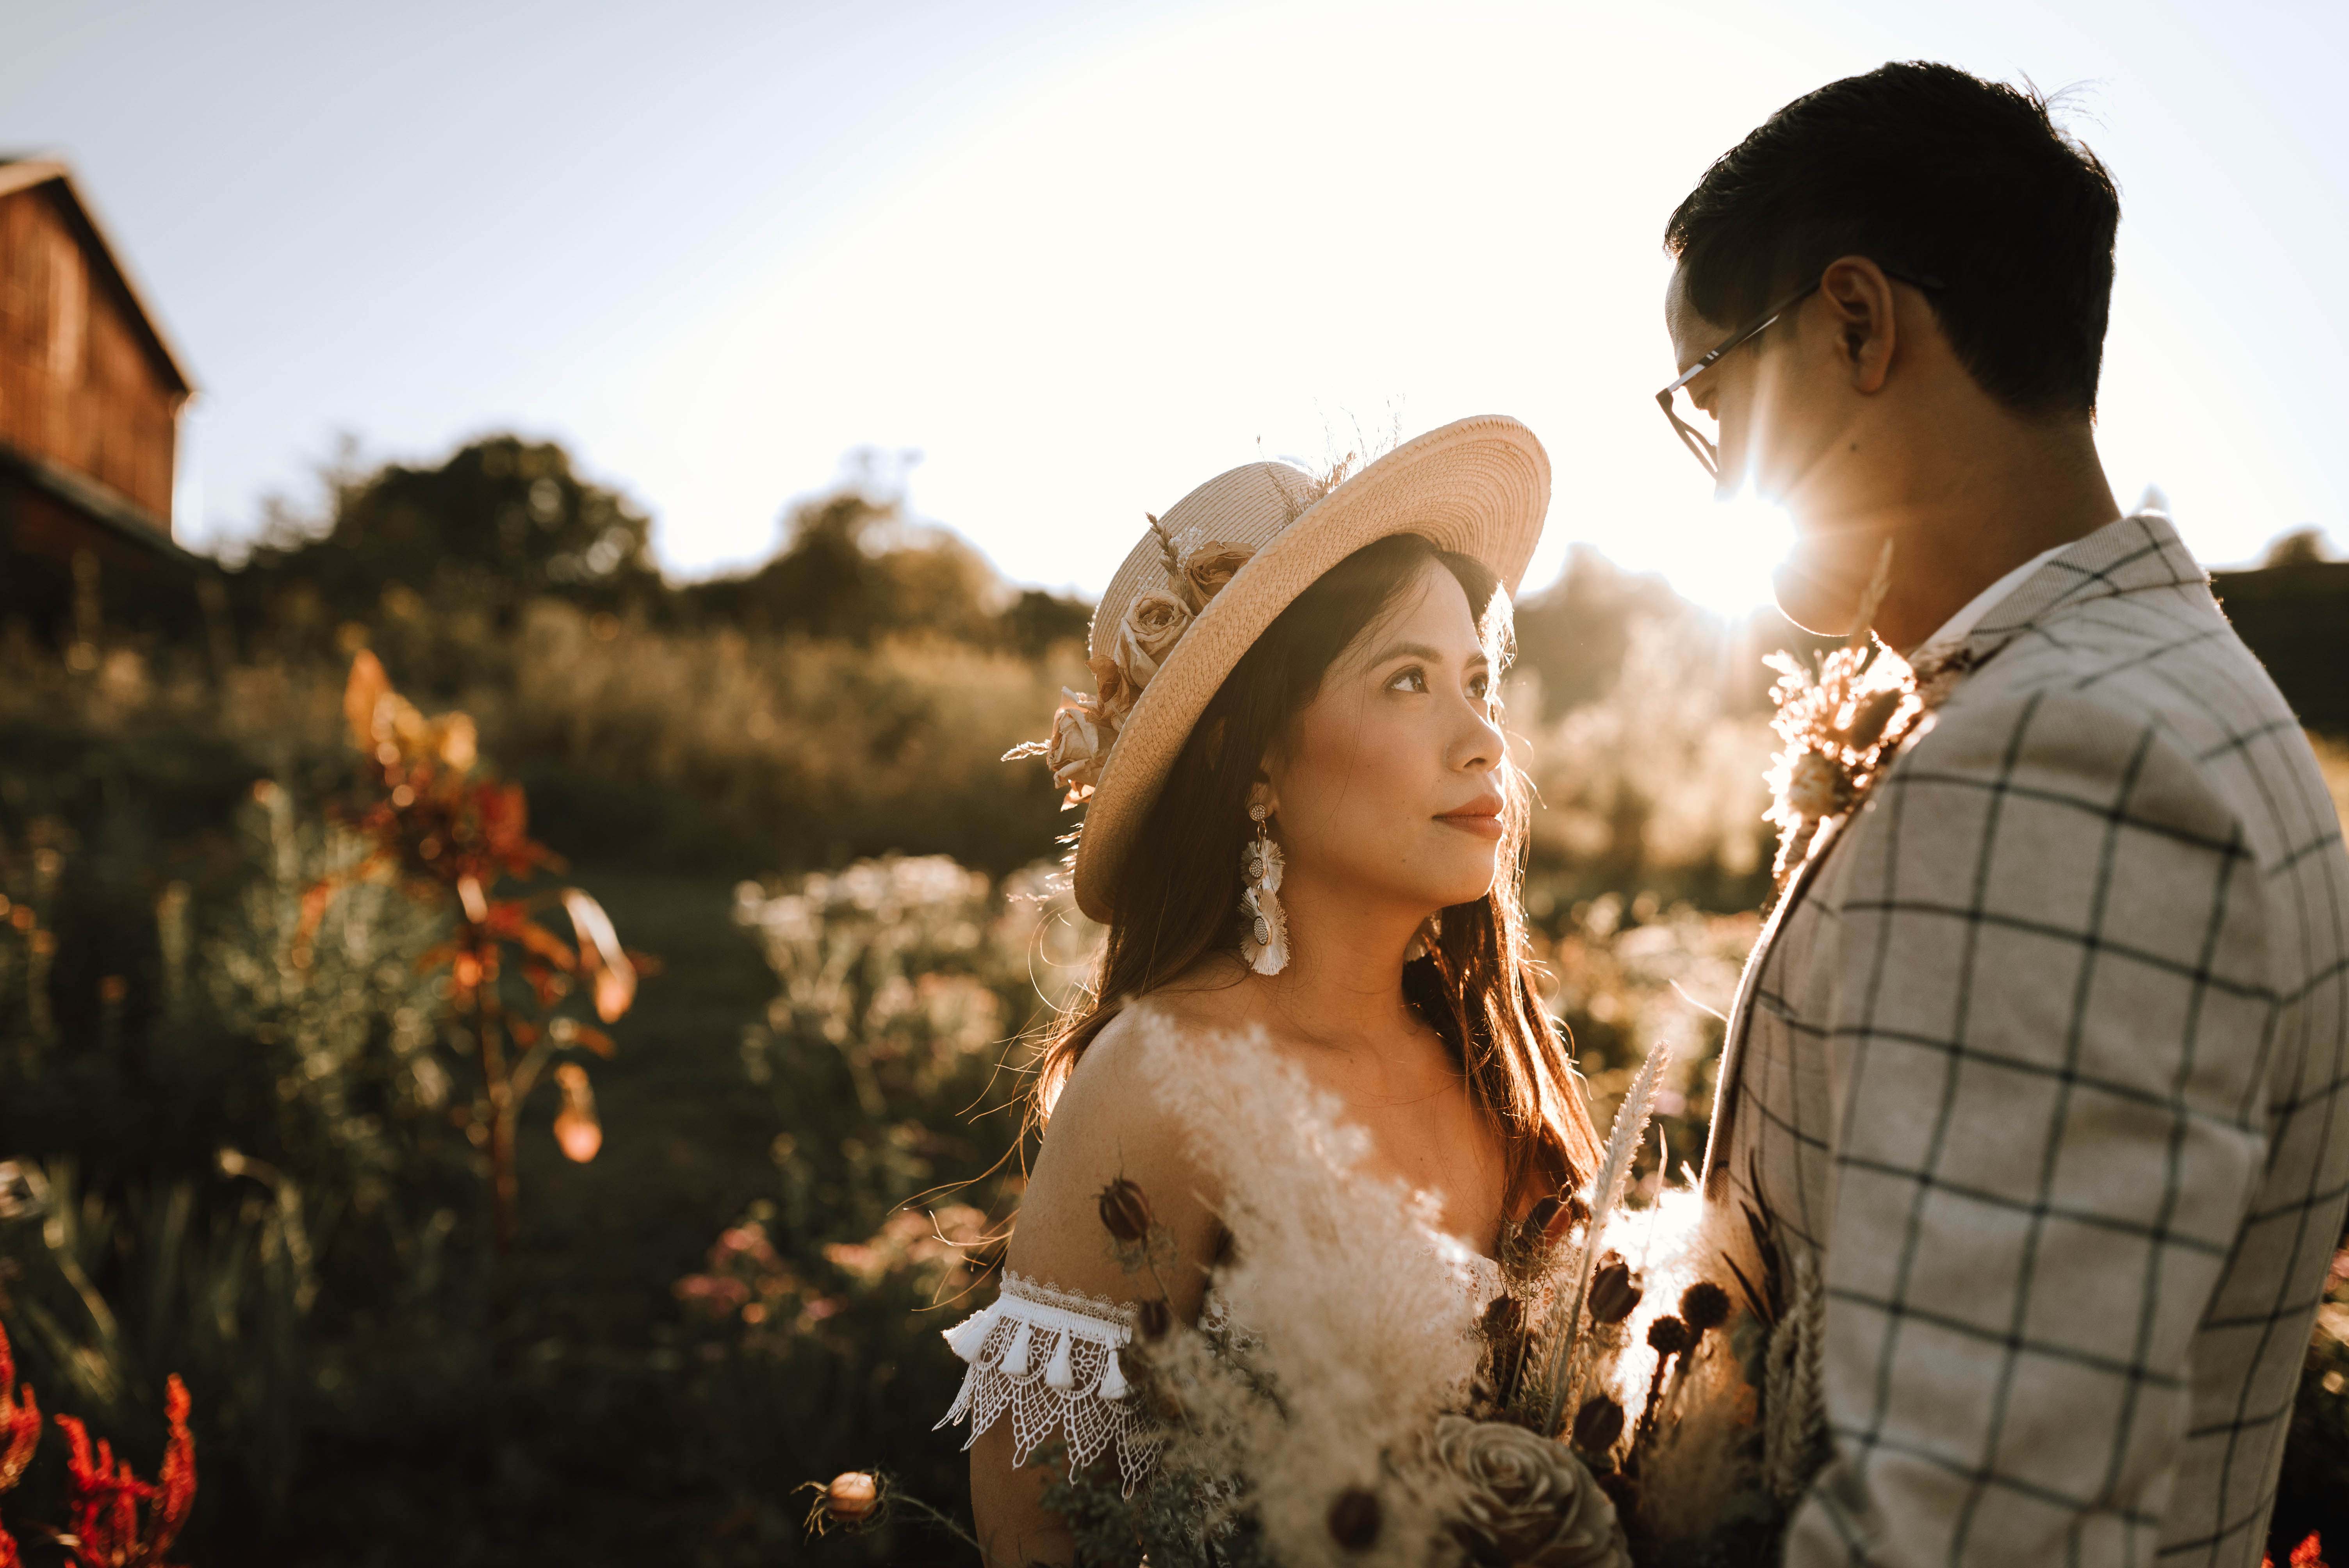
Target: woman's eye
(1412, 679)
(1480, 686)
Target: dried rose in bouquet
(1525, 1499)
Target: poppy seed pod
(1668, 1336)
(1571, 1213)
(1151, 1319)
(852, 1496)
(1613, 1294)
(1597, 1424)
(1704, 1306)
(1124, 1212)
(1354, 1518)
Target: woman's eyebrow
(1409, 650)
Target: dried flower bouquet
(1349, 1397)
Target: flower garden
(493, 1074)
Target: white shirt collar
(1958, 627)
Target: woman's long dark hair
(1177, 895)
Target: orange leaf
(575, 1126)
(591, 1037)
(543, 941)
(600, 952)
(314, 900)
(362, 696)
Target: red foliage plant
(106, 1529)
(20, 1433)
(451, 836)
(114, 1519)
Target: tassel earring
(1265, 942)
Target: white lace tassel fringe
(966, 1338)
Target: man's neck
(1961, 525)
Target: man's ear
(1863, 315)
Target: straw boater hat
(1217, 569)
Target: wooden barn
(90, 394)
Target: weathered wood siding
(79, 385)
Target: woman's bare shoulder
(1109, 1124)
(1111, 1101)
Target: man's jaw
(1820, 589)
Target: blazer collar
(2138, 552)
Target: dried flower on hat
(1080, 740)
(1207, 569)
(1116, 697)
(1154, 623)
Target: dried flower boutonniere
(1842, 726)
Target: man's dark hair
(1938, 174)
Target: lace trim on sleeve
(1050, 1357)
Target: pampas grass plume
(1342, 1294)
(1623, 1141)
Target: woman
(1303, 827)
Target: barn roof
(22, 173)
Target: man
(2040, 1066)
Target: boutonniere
(1842, 724)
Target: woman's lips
(1483, 821)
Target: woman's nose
(1480, 745)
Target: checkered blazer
(2042, 1060)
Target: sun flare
(1716, 554)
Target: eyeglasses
(1670, 397)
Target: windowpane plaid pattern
(2047, 1059)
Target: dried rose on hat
(1116, 695)
(1154, 623)
(1207, 569)
(1080, 741)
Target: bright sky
(1083, 257)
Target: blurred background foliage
(239, 1112)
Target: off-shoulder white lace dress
(1050, 1357)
